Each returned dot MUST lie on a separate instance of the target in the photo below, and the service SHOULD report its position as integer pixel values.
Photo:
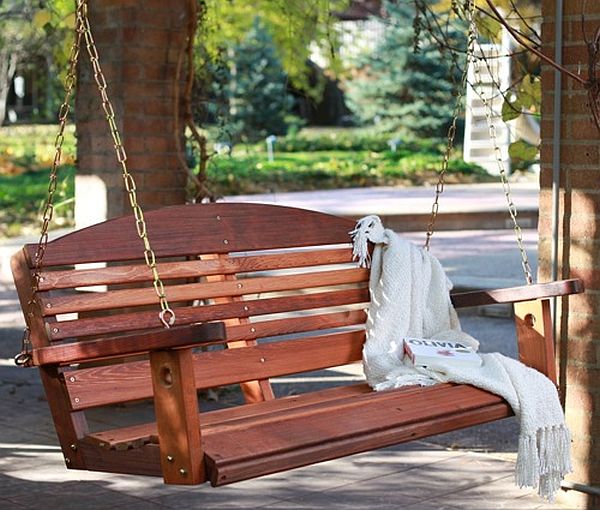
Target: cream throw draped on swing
(410, 296)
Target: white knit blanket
(410, 296)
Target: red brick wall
(579, 255)
(139, 44)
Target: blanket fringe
(367, 229)
(543, 460)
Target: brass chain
(24, 358)
(512, 209)
(166, 315)
(83, 30)
(451, 134)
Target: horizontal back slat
(71, 278)
(87, 302)
(202, 334)
(186, 315)
(98, 386)
(293, 325)
(196, 229)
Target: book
(423, 352)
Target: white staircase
(494, 73)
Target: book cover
(423, 352)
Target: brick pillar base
(579, 248)
(139, 44)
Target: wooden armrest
(516, 294)
(180, 336)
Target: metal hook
(167, 321)
(23, 359)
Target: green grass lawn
(296, 171)
(26, 155)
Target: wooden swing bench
(235, 274)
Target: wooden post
(177, 416)
(534, 336)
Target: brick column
(138, 44)
(579, 248)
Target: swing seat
(259, 292)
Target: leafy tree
(15, 41)
(258, 101)
(30, 29)
(293, 26)
(399, 89)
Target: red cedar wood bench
(107, 347)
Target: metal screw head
(48, 305)
(182, 472)
(218, 217)
(71, 379)
(67, 460)
(225, 241)
(262, 360)
(73, 447)
(253, 330)
(246, 308)
(170, 458)
(76, 400)
(239, 285)
(54, 330)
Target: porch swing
(260, 271)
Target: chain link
(166, 315)
(24, 358)
(512, 209)
(451, 134)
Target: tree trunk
(8, 67)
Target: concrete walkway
(466, 470)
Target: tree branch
(534, 50)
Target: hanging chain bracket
(512, 209)
(451, 134)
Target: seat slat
(186, 315)
(111, 384)
(257, 439)
(71, 278)
(344, 427)
(88, 302)
(135, 435)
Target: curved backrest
(265, 270)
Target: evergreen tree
(258, 99)
(398, 89)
